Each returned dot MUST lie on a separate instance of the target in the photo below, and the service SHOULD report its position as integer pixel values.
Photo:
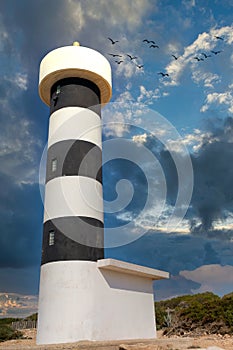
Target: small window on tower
(54, 164)
(51, 237)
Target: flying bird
(131, 57)
(198, 59)
(176, 58)
(164, 74)
(154, 46)
(139, 66)
(148, 41)
(114, 55)
(113, 42)
(205, 55)
(118, 62)
(216, 52)
(219, 37)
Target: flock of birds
(152, 45)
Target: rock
(140, 346)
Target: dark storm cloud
(117, 170)
(168, 166)
(23, 280)
(143, 174)
(213, 174)
(211, 257)
(35, 26)
(20, 222)
(170, 252)
(19, 149)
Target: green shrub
(32, 317)
(205, 310)
(7, 333)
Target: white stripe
(75, 123)
(73, 196)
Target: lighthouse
(82, 295)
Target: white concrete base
(104, 300)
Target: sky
(167, 140)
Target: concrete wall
(78, 301)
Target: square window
(51, 237)
(54, 164)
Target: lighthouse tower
(82, 295)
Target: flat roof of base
(132, 269)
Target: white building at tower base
(104, 300)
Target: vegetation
(8, 321)
(199, 313)
(32, 317)
(6, 331)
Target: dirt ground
(210, 342)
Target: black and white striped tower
(82, 295)
(74, 81)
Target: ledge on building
(131, 269)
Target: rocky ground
(210, 342)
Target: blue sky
(184, 117)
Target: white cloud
(207, 78)
(155, 219)
(22, 81)
(140, 138)
(147, 96)
(205, 42)
(126, 69)
(129, 86)
(117, 116)
(124, 97)
(231, 59)
(189, 4)
(214, 278)
(215, 100)
(225, 32)
(128, 13)
(77, 14)
(172, 47)
(193, 141)
(4, 36)
(116, 128)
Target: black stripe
(71, 92)
(75, 238)
(74, 157)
